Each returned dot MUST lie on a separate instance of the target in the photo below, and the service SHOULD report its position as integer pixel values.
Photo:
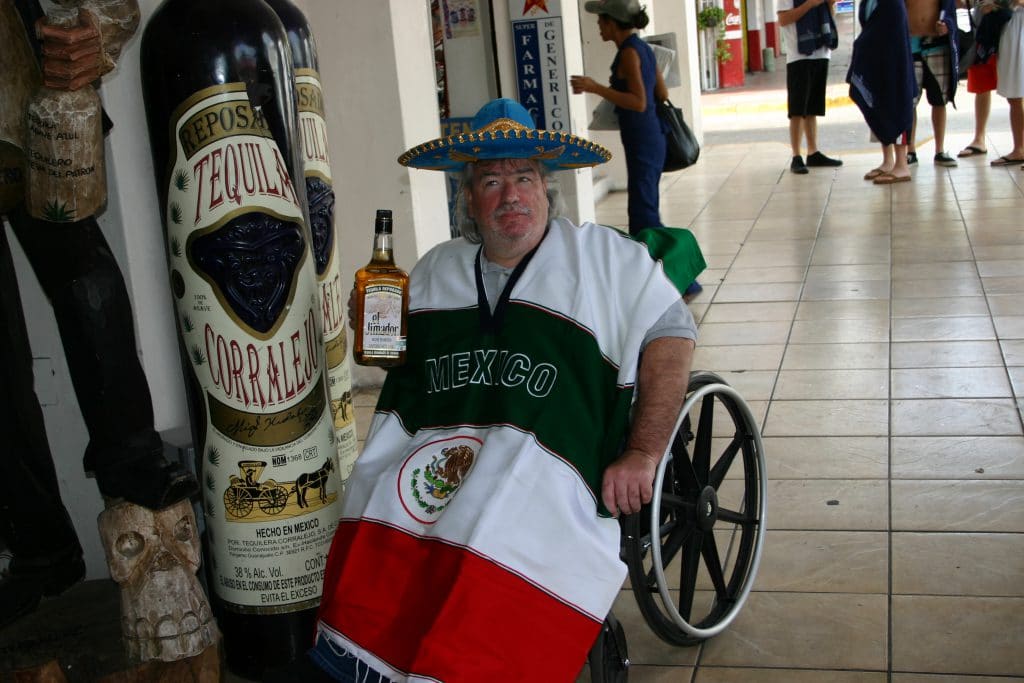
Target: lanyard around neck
(491, 322)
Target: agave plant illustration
(58, 213)
(213, 456)
(181, 180)
(198, 357)
(210, 483)
(210, 510)
(186, 322)
(175, 243)
(176, 219)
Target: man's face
(508, 200)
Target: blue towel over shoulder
(816, 29)
(881, 74)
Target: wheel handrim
(696, 541)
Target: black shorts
(805, 87)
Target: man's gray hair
(467, 226)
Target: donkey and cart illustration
(245, 491)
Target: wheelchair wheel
(608, 659)
(708, 511)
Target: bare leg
(795, 130)
(811, 134)
(1017, 127)
(888, 158)
(912, 140)
(900, 168)
(939, 128)
(982, 107)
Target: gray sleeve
(676, 321)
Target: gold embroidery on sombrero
(503, 125)
(456, 155)
(552, 153)
(558, 149)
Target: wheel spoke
(734, 517)
(702, 444)
(721, 467)
(709, 550)
(685, 474)
(674, 542)
(684, 507)
(675, 535)
(688, 573)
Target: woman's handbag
(681, 148)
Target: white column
(681, 18)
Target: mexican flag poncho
(473, 545)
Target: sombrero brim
(506, 139)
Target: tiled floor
(878, 334)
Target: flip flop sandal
(889, 179)
(874, 173)
(1006, 161)
(972, 151)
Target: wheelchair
(705, 524)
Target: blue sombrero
(503, 129)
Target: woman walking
(636, 85)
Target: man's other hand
(629, 482)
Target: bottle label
(251, 324)
(320, 195)
(66, 179)
(382, 321)
(315, 155)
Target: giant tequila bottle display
(223, 126)
(320, 195)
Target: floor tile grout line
(890, 619)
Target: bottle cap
(383, 223)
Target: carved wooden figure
(153, 555)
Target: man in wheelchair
(478, 540)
